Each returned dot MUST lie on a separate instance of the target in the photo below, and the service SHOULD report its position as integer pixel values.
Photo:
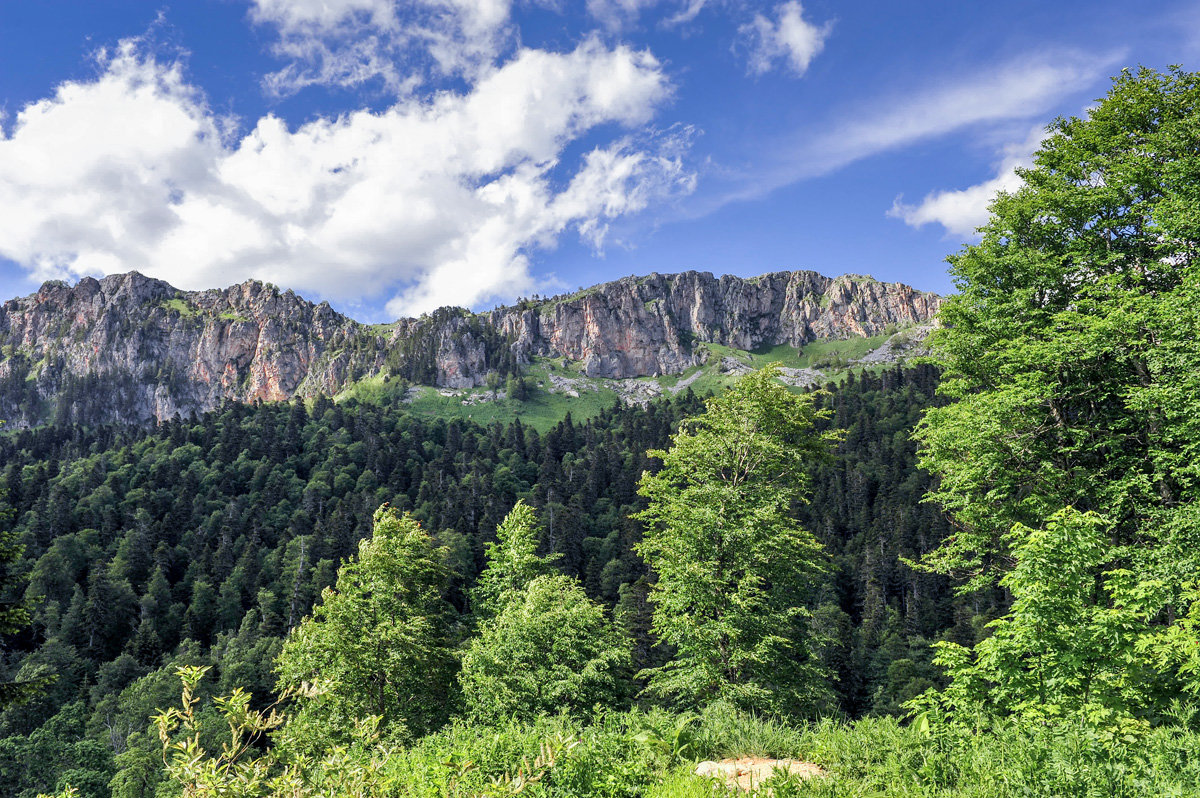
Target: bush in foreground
(549, 648)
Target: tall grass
(653, 753)
(642, 754)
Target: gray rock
(155, 351)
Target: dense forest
(209, 540)
(978, 578)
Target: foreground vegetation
(653, 753)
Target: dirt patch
(748, 773)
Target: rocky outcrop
(640, 326)
(134, 349)
(157, 351)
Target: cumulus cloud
(789, 39)
(961, 212)
(440, 200)
(400, 43)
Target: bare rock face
(133, 349)
(640, 326)
(155, 351)
(450, 344)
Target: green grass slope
(551, 382)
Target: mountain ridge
(135, 349)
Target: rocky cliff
(134, 349)
(640, 326)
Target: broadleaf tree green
(379, 644)
(1070, 356)
(549, 649)
(1069, 642)
(734, 568)
(542, 646)
(512, 561)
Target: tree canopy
(379, 643)
(542, 647)
(550, 649)
(229, 526)
(734, 566)
(14, 613)
(1070, 354)
(512, 562)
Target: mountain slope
(134, 349)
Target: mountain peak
(133, 348)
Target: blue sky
(392, 157)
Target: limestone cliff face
(641, 326)
(158, 351)
(134, 349)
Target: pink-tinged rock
(185, 352)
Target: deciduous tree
(1070, 351)
(542, 645)
(378, 644)
(549, 649)
(734, 567)
(512, 561)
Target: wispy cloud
(788, 39)
(619, 14)
(1025, 88)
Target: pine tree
(14, 616)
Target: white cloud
(1023, 89)
(624, 179)
(616, 14)
(441, 199)
(619, 14)
(296, 15)
(399, 43)
(790, 39)
(961, 212)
